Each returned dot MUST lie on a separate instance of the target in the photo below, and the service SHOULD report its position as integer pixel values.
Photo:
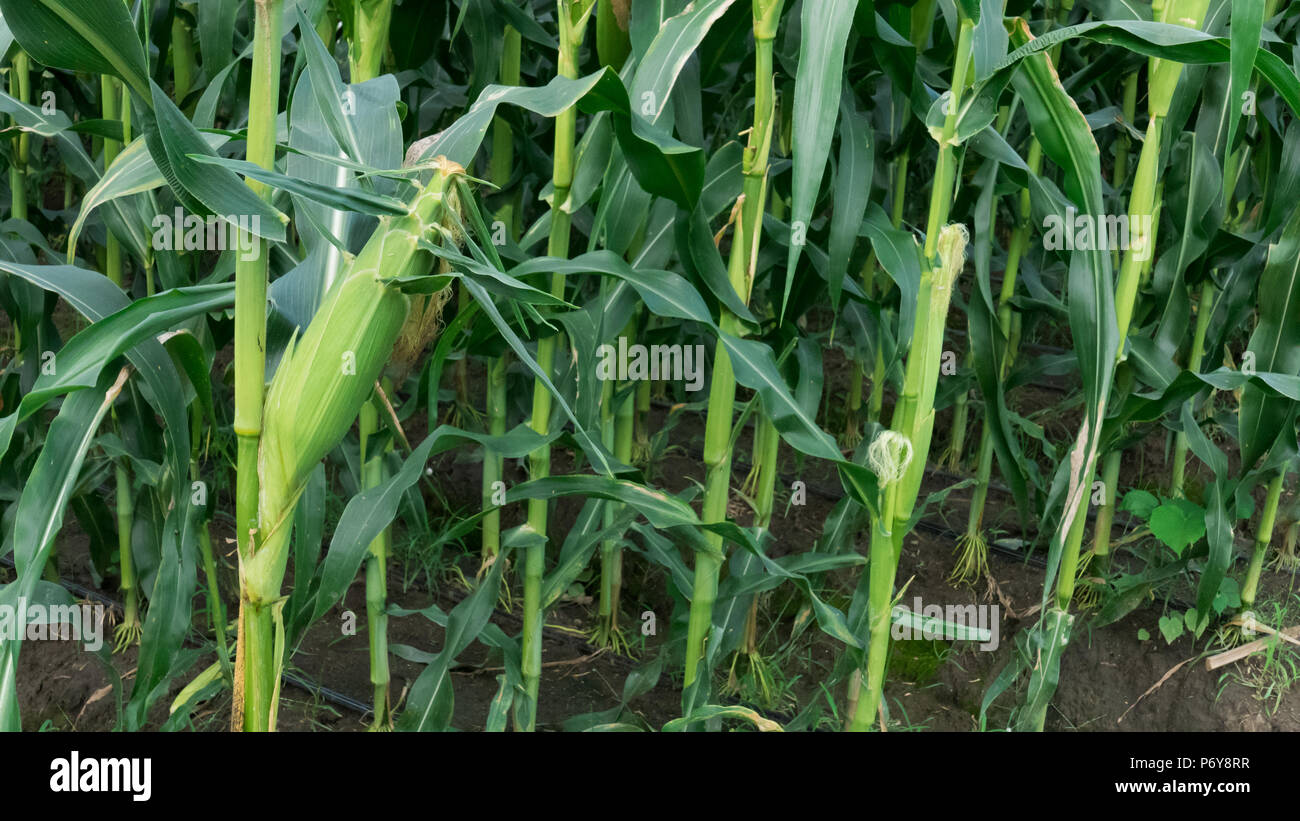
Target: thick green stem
(500, 167)
(717, 477)
(722, 388)
(882, 567)
(1106, 512)
(960, 418)
(377, 629)
(717, 467)
(109, 94)
(493, 463)
(612, 41)
(256, 664)
(1264, 535)
(1066, 578)
(913, 417)
(501, 163)
(1143, 210)
(573, 18)
(372, 475)
(130, 626)
(20, 88)
(941, 195)
(259, 664)
(618, 428)
(110, 98)
(975, 517)
(914, 412)
(922, 23)
(641, 435)
(370, 23)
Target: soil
(1111, 680)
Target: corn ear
(329, 372)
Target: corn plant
(259, 258)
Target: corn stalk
(747, 217)
(900, 467)
(1144, 204)
(256, 670)
(572, 16)
(499, 169)
(368, 38)
(20, 88)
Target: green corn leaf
(96, 36)
(852, 192)
(1274, 346)
(1247, 25)
(216, 29)
(1041, 653)
(1062, 130)
(989, 348)
(824, 30)
(429, 705)
(1163, 40)
(343, 199)
(579, 546)
(56, 126)
(369, 512)
(169, 618)
(81, 361)
(133, 172)
(40, 514)
(678, 38)
(989, 39)
(204, 190)
(714, 711)
(662, 165)
(1218, 531)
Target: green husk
(335, 363)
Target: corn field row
(574, 303)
